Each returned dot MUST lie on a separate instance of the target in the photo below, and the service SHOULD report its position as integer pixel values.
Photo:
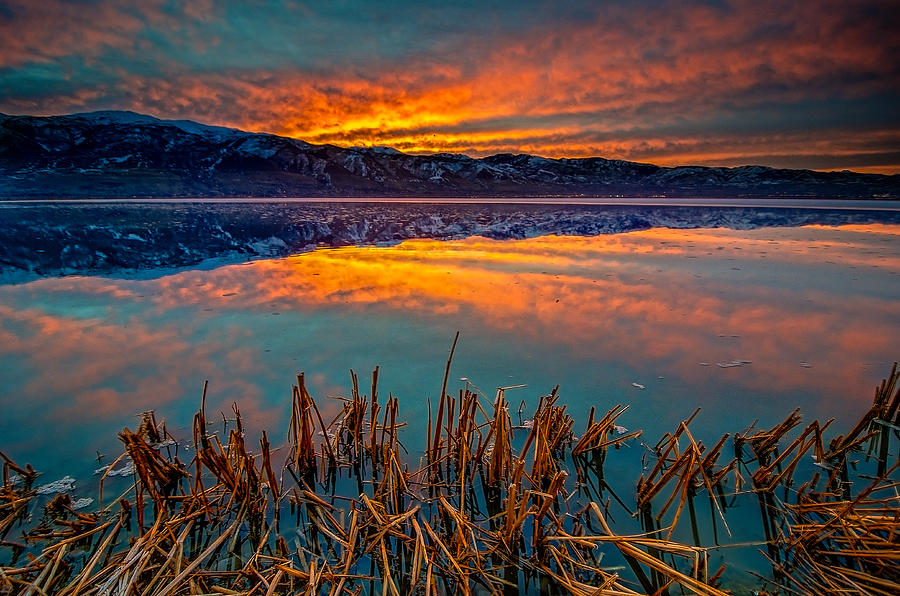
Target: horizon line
(893, 170)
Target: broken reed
(488, 510)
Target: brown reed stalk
(212, 535)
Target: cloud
(663, 81)
(40, 32)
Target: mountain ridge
(122, 154)
(116, 238)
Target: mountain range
(114, 238)
(114, 154)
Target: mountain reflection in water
(746, 324)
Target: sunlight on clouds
(741, 82)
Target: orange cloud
(601, 77)
(45, 31)
(675, 83)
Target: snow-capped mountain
(123, 154)
(40, 239)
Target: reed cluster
(490, 508)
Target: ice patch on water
(733, 363)
(82, 503)
(126, 470)
(63, 485)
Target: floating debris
(822, 464)
(733, 363)
(126, 470)
(63, 485)
(82, 503)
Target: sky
(803, 84)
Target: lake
(746, 324)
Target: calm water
(816, 311)
(812, 313)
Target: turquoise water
(815, 310)
(746, 325)
(812, 315)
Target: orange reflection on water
(421, 272)
(660, 301)
(673, 297)
(94, 368)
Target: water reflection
(604, 298)
(814, 310)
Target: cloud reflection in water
(589, 313)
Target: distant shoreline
(779, 203)
(107, 237)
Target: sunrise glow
(809, 85)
